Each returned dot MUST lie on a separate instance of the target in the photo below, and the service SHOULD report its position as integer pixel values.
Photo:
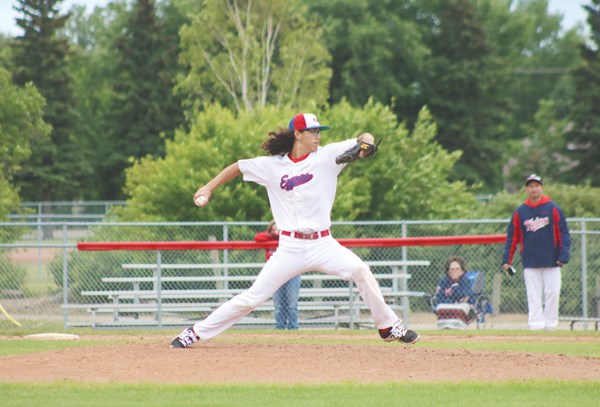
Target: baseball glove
(354, 153)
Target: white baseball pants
(294, 257)
(542, 283)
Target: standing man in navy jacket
(539, 227)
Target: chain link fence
(42, 212)
(45, 282)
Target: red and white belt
(307, 236)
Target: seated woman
(454, 296)
(454, 287)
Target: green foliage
(543, 151)
(5, 51)
(21, 126)
(387, 186)
(12, 276)
(21, 123)
(377, 53)
(40, 56)
(142, 110)
(576, 201)
(124, 64)
(163, 189)
(528, 43)
(462, 89)
(535, 57)
(9, 199)
(482, 68)
(92, 63)
(247, 56)
(391, 184)
(538, 58)
(584, 136)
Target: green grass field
(530, 394)
(517, 393)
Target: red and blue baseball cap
(305, 121)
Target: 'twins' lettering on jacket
(542, 235)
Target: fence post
(159, 288)
(584, 297)
(496, 285)
(214, 259)
(40, 235)
(350, 305)
(225, 255)
(597, 297)
(65, 279)
(404, 300)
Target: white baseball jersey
(301, 194)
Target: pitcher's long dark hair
(280, 142)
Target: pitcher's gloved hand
(362, 149)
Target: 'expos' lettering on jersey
(290, 183)
(531, 225)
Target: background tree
(377, 53)
(53, 172)
(584, 137)
(246, 54)
(537, 56)
(92, 67)
(22, 126)
(529, 44)
(543, 151)
(482, 67)
(143, 109)
(92, 63)
(5, 51)
(461, 87)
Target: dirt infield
(290, 359)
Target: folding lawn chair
(461, 315)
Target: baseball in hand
(367, 138)
(201, 200)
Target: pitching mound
(290, 358)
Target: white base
(53, 337)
